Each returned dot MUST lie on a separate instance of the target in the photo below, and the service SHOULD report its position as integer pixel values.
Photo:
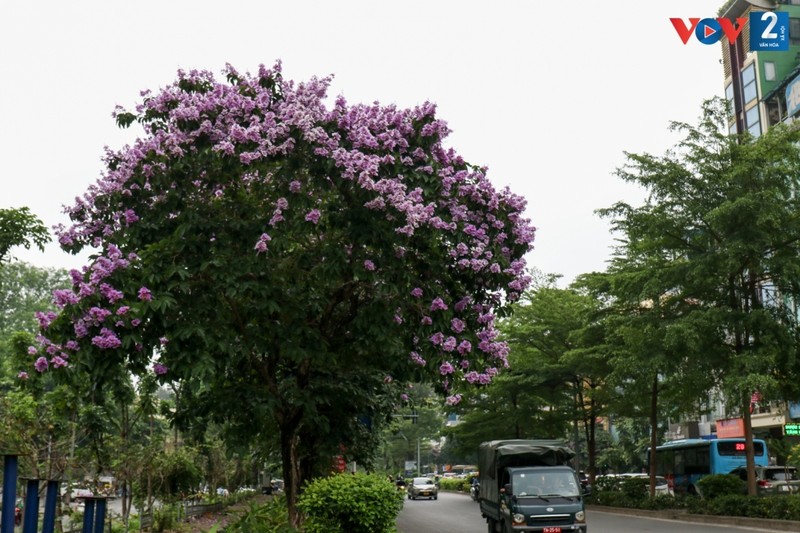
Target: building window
(769, 71)
(749, 90)
(753, 121)
(794, 31)
(773, 113)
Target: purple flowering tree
(261, 243)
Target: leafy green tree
(418, 421)
(20, 227)
(555, 379)
(24, 290)
(625, 450)
(652, 374)
(255, 241)
(719, 238)
(38, 416)
(178, 473)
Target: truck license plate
(551, 530)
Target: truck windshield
(547, 484)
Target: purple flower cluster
(106, 340)
(393, 160)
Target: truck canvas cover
(498, 454)
(494, 456)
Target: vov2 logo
(769, 30)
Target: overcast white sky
(548, 95)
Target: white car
(423, 487)
(662, 486)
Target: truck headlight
(518, 518)
(580, 516)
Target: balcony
(771, 415)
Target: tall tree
(20, 227)
(719, 232)
(558, 329)
(557, 369)
(24, 290)
(657, 369)
(255, 240)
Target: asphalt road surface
(457, 513)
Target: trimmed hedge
(455, 484)
(722, 496)
(717, 485)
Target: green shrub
(726, 505)
(656, 503)
(118, 526)
(165, 518)
(271, 517)
(456, 484)
(606, 483)
(350, 503)
(612, 498)
(717, 485)
(635, 488)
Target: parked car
(662, 486)
(423, 487)
(773, 479)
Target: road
(457, 513)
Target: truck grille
(549, 519)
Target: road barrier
(30, 520)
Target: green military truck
(529, 486)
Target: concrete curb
(682, 516)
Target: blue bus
(684, 462)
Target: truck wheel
(491, 523)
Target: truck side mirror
(506, 489)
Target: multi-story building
(759, 85)
(763, 89)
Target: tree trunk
(653, 433)
(576, 417)
(748, 446)
(291, 469)
(591, 444)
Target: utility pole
(419, 468)
(413, 416)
